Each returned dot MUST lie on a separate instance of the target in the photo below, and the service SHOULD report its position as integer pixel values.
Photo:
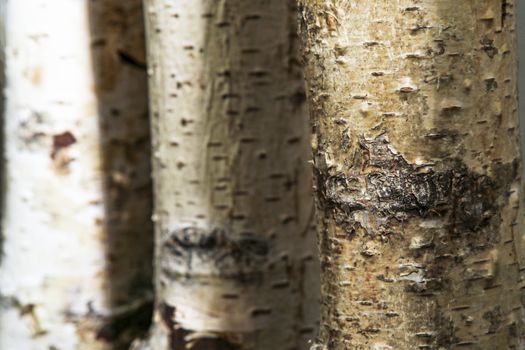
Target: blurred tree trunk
(69, 278)
(235, 263)
(119, 62)
(417, 173)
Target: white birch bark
(235, 263)
(58, 254)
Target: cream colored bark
(235, 266)
(417, 173)
(69, 278)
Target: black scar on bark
(446, 334)
(394, 188)
(495, 318)
(488, 47)
(129, 325)
(238, 256)
(178, 336)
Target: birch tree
(70, 277)
(234, 263)
(417, 169)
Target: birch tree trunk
(62, 264)
(417, 173)
(235, 266)
(119, 64)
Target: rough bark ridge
(67, 275)
(234, 262)
(417, 173)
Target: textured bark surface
(417, 173)
(235, 263)
(69, 276)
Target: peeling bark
(235, 266)
(74, 238)
(417, 173)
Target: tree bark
(119, 64)
(417, 173)
(69, 277)
(235, 265)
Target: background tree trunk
(417, 173)
(119, 62)
(68, 272)
(235, 265)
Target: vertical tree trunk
(118, 51)
(61, 263)
(417, 173)
(232, 206)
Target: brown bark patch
(61, 141)
(60, 158)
